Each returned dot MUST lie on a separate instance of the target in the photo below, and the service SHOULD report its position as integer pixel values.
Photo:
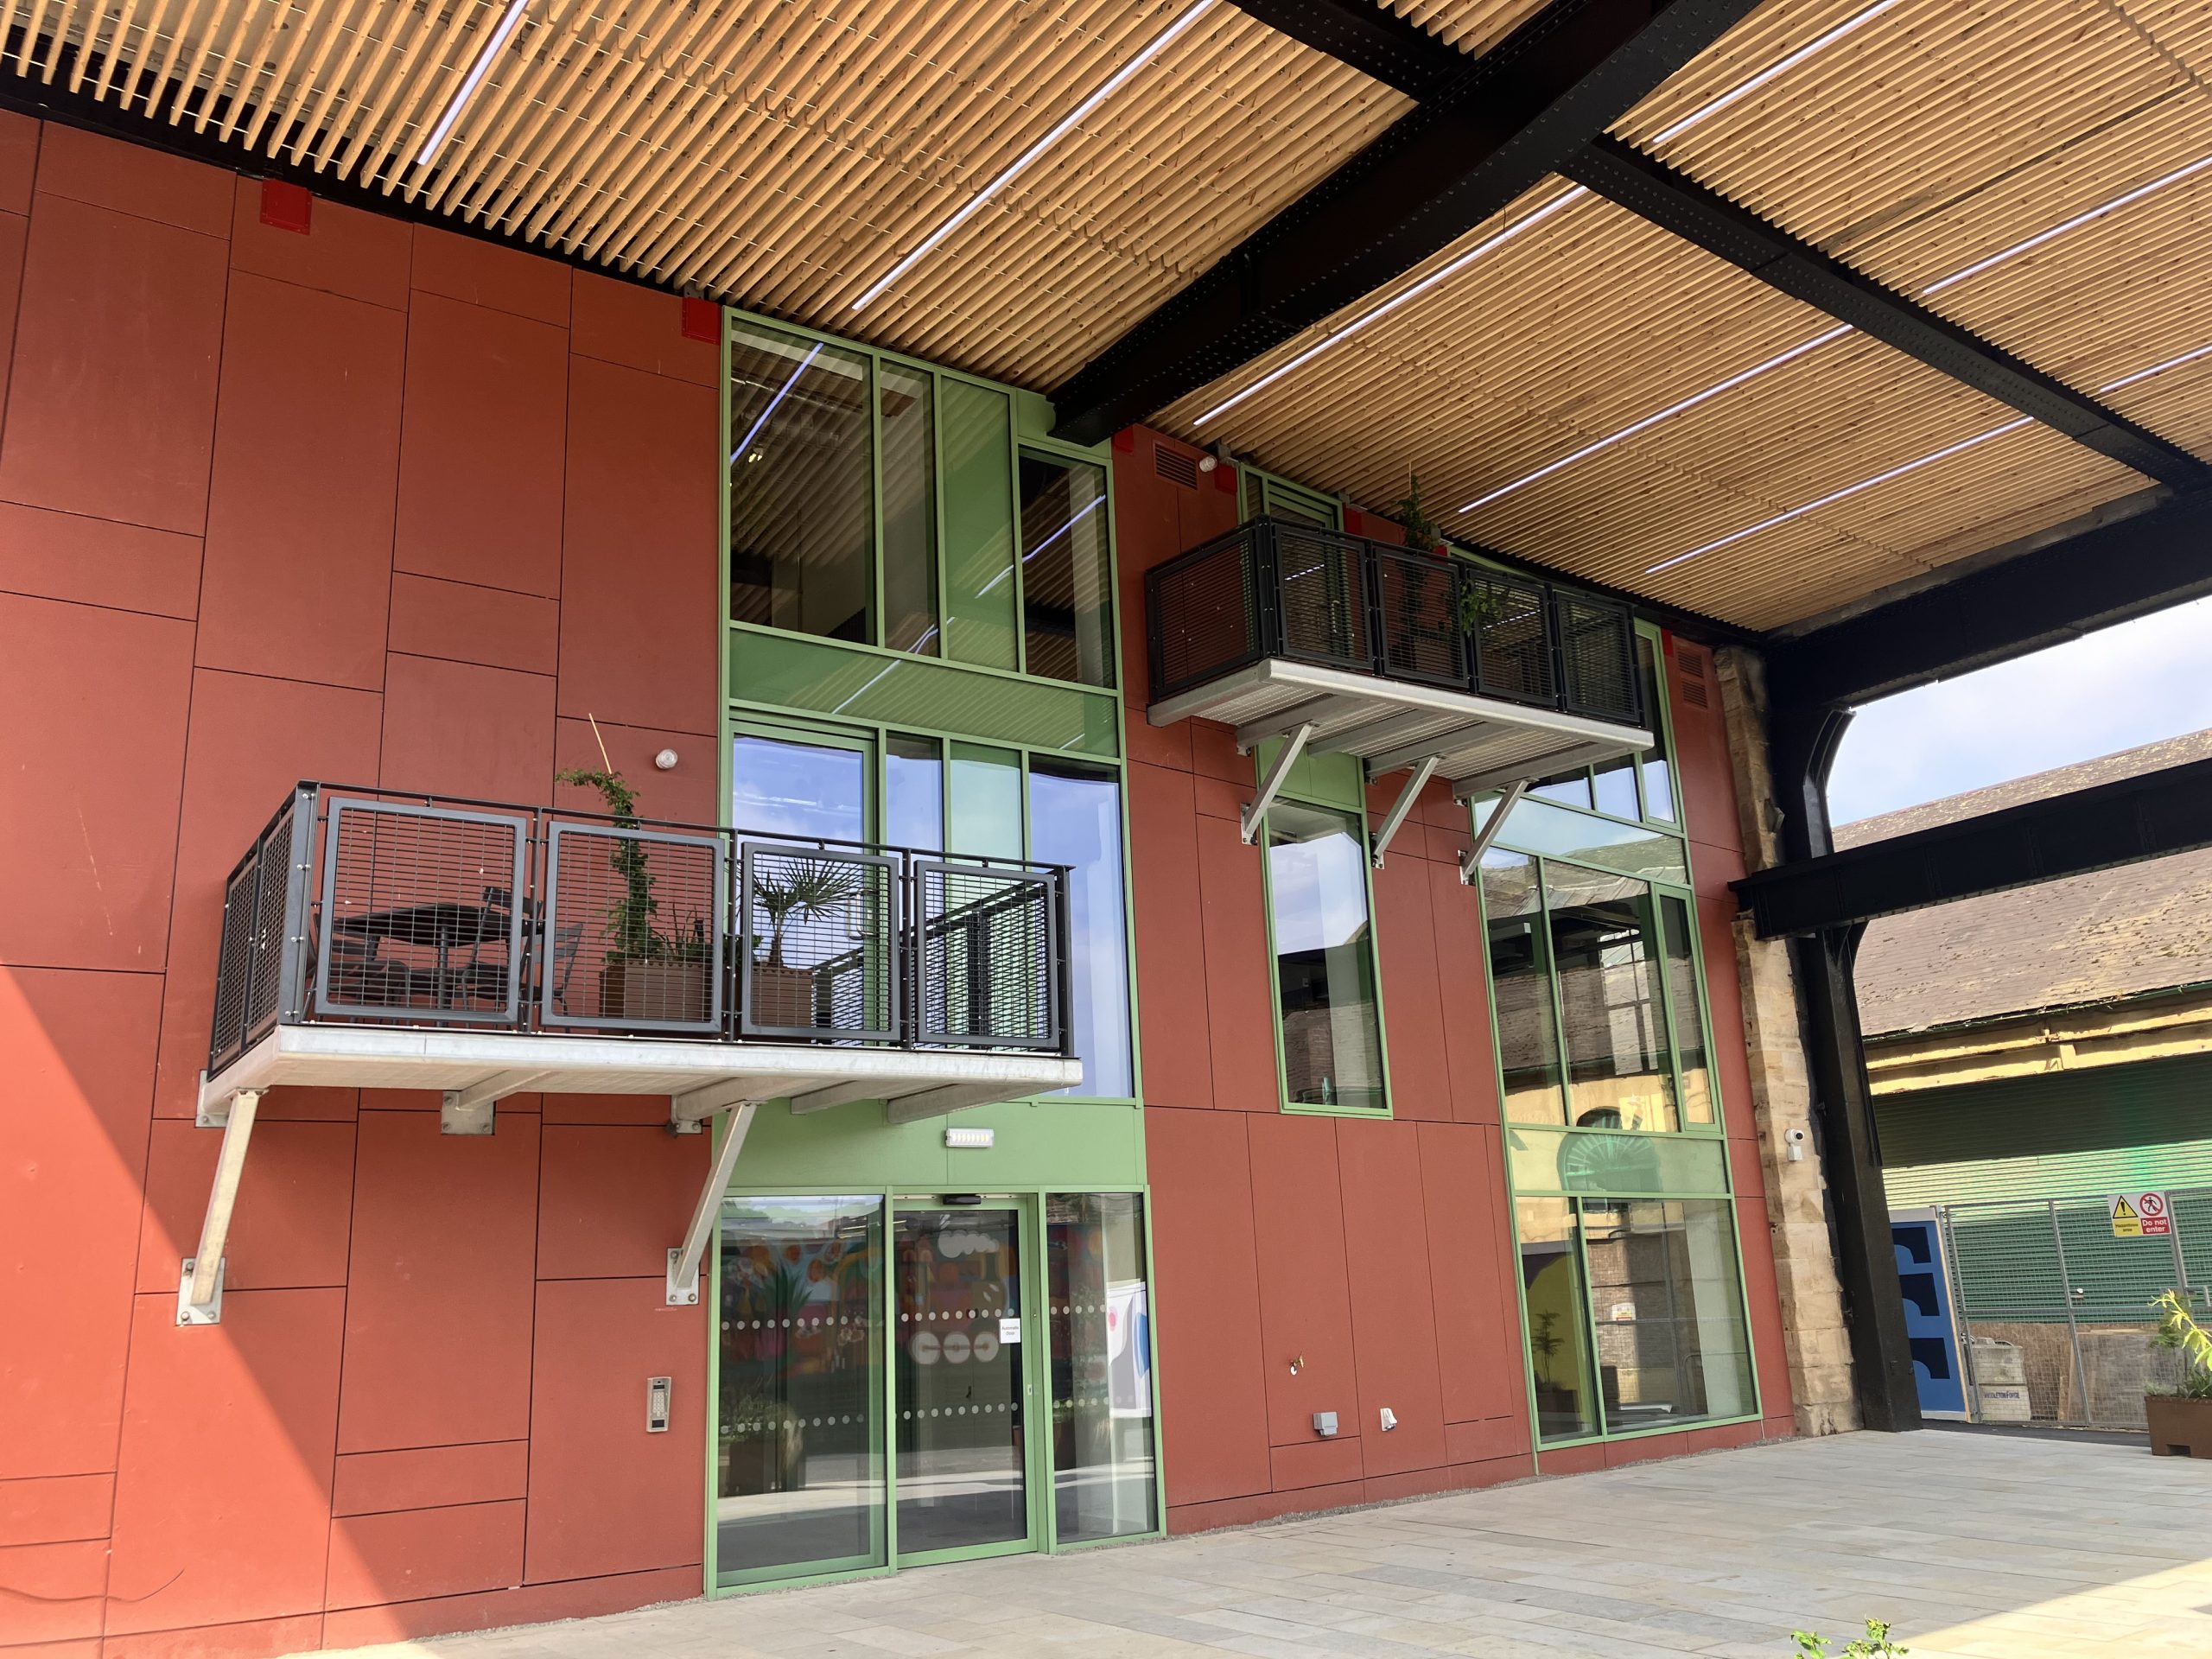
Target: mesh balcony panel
(1322, 579)
(987, 968)
(816, 952)
(1422, 636)
(1597, 648)
(635, 929)
(1513, 657)
(1206, 616)
(272, 860)
(234, 963)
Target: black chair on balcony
(362, 975)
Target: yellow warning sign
(2140, 1215)
(2125, 1223)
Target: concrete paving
(1969, 1545)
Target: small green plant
(2179, 1331)
(803, 890)
(631, 934)
(1414, 519)
(1875, 1644)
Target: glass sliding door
(958, 1373)
(1558, 1309)
(799, 1448)
(1104, 1477)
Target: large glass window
(1668, 1308)
(1557, 1308)
(909, 512)
(1612, 1011)
(1104, 1477)
(1521, 989)
(1689, 1028)
(802, 503)
(1066, 575)
(1324, 957)
(1075, 819)
(798, 1454)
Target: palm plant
(800, 891)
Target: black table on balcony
(443, 924)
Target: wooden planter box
(781, 996)
(653, 990)
(2179, 1428)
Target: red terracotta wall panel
(94, 561)
(532, 1604)
(481, 465)
(1314, 1462)
(410, 1554)
(15, 237)
(99, 698)
(295, 1198)
(344, 250)
(605, 1495)
(73, 1102)
(57, 1509)
(479, 272)
(111, 396)
(1393, 1301)
(455, 728)
(1470, 1255)
(19, 140)
(307, 457)
(686, 793)
(373, 1482)
(51, 1592)
(639, 629)
(612, 1201)
(1707, 776)
(223, 1495)
(1304, 1285)
(1412, 1012)
(464, 623)
(438, 1317)
(252, 739)
(1171, 980)
(1213, 1397)
(1463, 988)
(621, 322)
(134, 179)
(1240, 1003)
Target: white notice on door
(1009, 1330)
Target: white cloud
(2135, 684)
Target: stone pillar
(1815, 1334)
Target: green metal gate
(2055, 1311)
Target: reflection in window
(799, 1451)
(1066, 581)
(1613, 787)
(985, 788)
(1558, 1319)
(1075, 819)
(782, 786)
(913, 804)
(1613, 1013)
(1103, 1470)
(1325, 962)
(802, 499)
(1689, 1029)
(1658, 777)
(1668, 1311)
(909, 513)
(1521, 989)
(1568, 789)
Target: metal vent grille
(1693, 662)
(1175, 467)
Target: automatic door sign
(2140, 1215)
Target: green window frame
(1333, 784)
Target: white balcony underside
(1480, 742)
(709, 1075)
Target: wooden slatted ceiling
(1473, 26)
(787, 152)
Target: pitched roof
(2112, 933)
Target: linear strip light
(1396, 300)
(468, 88)
(1834, 496)
(2075, 222)
(753, 431)
(1066, 125)
(1913, 465)
(1097, 502)
(1575, 195)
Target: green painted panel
(1599, 1161)
(977, 437)
(1561, 832)
(788, 671)
(1326, 779)
(984, 789)
(1069, 1144)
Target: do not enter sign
(2140, 1215)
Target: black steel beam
(1676, 203)
(2151, 816)
(2089, 581)
(1380, 44)
(1512, 115)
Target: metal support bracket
(199, 1282)
(1403, 808)
(468, 1111)
(684, 1261)
(1278, 774)
(1470, 862)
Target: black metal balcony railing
(363, 906)
(1276, 588)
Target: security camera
(1796, 1150)
(1796, 1136)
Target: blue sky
(2135, 683)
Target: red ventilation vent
(1175, 466)
(1693, 664)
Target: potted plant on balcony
(646, 973)
(793, 888)
(1413, 518)
(2179, 1416)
